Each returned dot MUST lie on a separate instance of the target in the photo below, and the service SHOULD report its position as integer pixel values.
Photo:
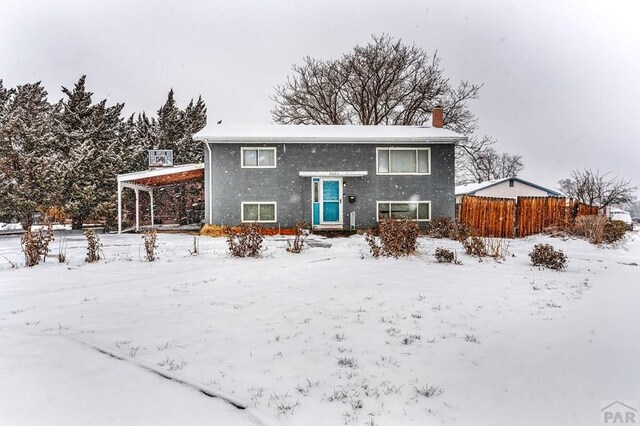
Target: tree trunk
(76, 222)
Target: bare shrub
(614, 231)
(298, 241)
(396, 237)
(245, 240)
(460, 232)
(35, 246)
(497, 248)
(546, 256)
(94, 246)
(196, 246)
(474, 246)
(441, 227)
(446, 256)
(62, 248)
(590, 227)
(150, 244)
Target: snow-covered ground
(329, 336)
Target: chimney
(436, 117)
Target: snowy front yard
(330, 336)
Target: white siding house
(511, 187)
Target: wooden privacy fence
(506, 217)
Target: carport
(149, 180)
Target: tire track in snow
(236, 402)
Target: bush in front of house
(474, 246)
(297, 244)
(446, 256)
(245, 240)
(613, 231)
(35, 246)
(441, 227)
(396, 238)
(460, 232)
(546, 256)
(150, 244)
(590, 227)
(93, 246)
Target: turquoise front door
(331, 201)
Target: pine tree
(30, 167)
(89, 138)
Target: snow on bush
(245, 241)
(396, 237)
(150, 244)
(35, 246)
(445, 256)
(546, 256)
(298, 241)
(93, 246)
(614, 231)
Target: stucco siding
(228, 184)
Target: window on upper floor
(258, 157)
(403, 161)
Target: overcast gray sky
(561, 77)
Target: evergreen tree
(174, 129)
(30, 166)
(89, 137)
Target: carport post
(151, 196)
(119, 207)
(137, 191)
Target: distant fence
(507, 217)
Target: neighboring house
(333, 177)
(510, 187)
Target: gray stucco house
(333, 177)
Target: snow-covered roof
(164, 175)
(222, 133)
(472, 188)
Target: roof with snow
(164, 175)
(472, 188)
(326, 133)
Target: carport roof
(164, 176)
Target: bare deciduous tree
(591, 187)
(384, 82)
(485, 163)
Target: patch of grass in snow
(304, 388)
(471, 338)
(417, 315)
(428, 391)
(171, 364)
(392, 331)
(339, 337)
(389, 388)
(345, 361)
(409, 339)
(133, 350)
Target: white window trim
(404, 202)
(392, 148)
(275, 211)
(256, 148)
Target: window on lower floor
(412, 210)
(262, 211)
